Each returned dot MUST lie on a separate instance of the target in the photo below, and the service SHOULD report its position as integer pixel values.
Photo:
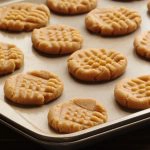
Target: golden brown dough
(11, 58)
(142, 45)
(134, 93)
(112, 21)
(76, 115)
(71, 7)
(57, 39)
(33, 88)
(96, 64)
(23, 16)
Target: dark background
(136, 139)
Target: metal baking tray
(32, 121)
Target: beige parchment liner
(35, 118)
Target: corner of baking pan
(29, 129)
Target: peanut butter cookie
(71, 7)
(11, 58)
(134, 93)
(142, 44)
(76, 115)
(96, 64)
(112, 21)
(23, 16)
(57, 39)
(33, 88)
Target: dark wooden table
(139, 139)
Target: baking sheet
(34, 119)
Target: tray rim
(62, 142)
(144, 114)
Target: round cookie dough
(134, 93)
(23, 16)
(71, 7)
(96, 64)
(33, 88)
(57, 39)
(76, 115)
(11, 58)
(142, 45)
(112, 21)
